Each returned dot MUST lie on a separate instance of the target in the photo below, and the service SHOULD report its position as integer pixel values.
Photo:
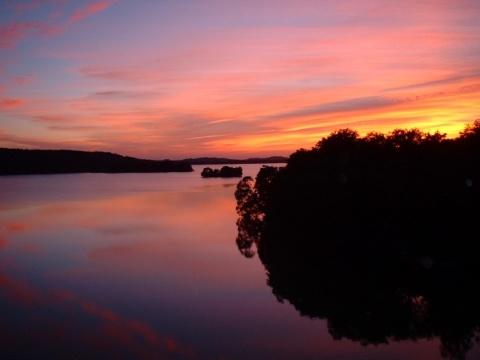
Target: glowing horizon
(232, 79)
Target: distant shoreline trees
(26, 162)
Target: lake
(145, 266)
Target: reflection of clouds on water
(32, 248)
(125, 251)
(45, 322)
(163, 245)
(17, 227)
(127, 229)
(134, 268)
(97, 241)
(3, 242)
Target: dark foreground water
(145, 266)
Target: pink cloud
(10, 103)
(14, 33)
(29, 142)
(90, 10)
(17, 31)
(51, 119)
(10, 34)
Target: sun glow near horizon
(223, 78)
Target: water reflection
(39, 324)
(368, 295)
(60, 259)
(146, 270)
(117, 274)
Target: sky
(173, 79)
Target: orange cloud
(446, 111)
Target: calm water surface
(145, 266)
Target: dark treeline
(23, 162)
(377, 234)
(222, 161)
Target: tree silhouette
(376, 234)
(471, 130)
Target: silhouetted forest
(22, 162)
(377, 234)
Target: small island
(225, 172)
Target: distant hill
(23, 162)
(223, 161)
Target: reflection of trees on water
(378, 235)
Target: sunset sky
(187, 78)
